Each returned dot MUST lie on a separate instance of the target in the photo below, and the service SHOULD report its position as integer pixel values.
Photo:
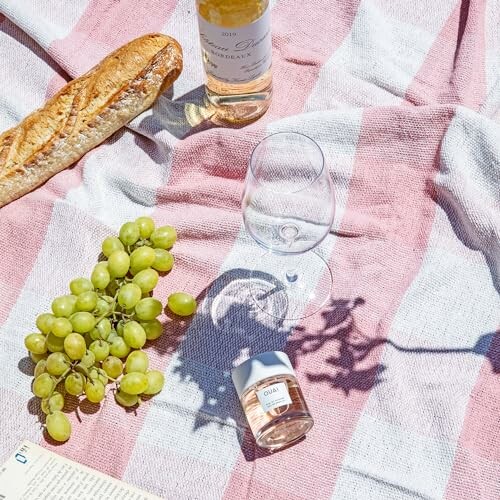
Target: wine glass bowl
(288, 202)
(288, 208)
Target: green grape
(146, 226)
(62, 327)
(94, 334)
(126, 400)
(134, 383)
(164, 237)
(86, 301)
(94, 390)
(80, 285)
(100, 348)
(111, 244)
(36, 343)
(55, 344)
(88, 359)
(113, 366)
(182, 304)
(74, 383)
(164, 260)
(88, 339)
(142, 258)
(147, 309)
(146, 280)
(98, 374)
(57, 363)
(119, 327)
(108, 298)
(129, 233)
(82, 322)
(156, 380)
(40, 367)
(64, 306)
(104, 328)
(153, 329)
(43, 385)
(102, 307)
(119, 348)
(75, 346)
(118, 264)
(100, 275)
(113, 287)
(58, 426)
(44, 322)
(52, 404)
(137, 361)
(37, 357)
(134, 334)
(129, 295)
(112, 335)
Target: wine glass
(288, 209)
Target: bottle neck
(231, 13)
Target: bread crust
(86, 112)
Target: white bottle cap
(253, 370)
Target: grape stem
(111, 310)
(60, 379)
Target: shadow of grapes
(26, 366)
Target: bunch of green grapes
(95, 335)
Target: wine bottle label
(274, 396)
(237, 55)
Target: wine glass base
(300, 287)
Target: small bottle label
(274, 396)
(237, 55)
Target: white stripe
(197, 416)
(24, 77)
(381, 55)
(44, 21)
(491, 106)
(120, 179)
(440, 334)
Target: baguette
(85, 112)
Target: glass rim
(316, 177)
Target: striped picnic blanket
(402, 369)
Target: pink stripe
(303, 45)
(389, 205)
(104, 26)
(25, 224)
(454, 70)
(476, 469)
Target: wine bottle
(235, 38)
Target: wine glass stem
(291, 275)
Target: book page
(34, 473)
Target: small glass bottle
(272, 399)
(235, 38)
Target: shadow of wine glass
(227, 328)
